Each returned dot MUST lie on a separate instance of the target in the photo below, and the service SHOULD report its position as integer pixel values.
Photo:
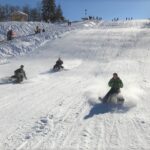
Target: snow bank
(26, 40)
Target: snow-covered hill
(25, 39)
(61, 110)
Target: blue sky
(107, 9)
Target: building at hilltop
(19, 16)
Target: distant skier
(58, 65)
(115, 83)
(69, 23)
(19, 74)
(9, 35)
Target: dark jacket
(115, 83)
(59, 62)
(9, 35)
(20, 71)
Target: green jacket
(115, 83)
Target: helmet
(115, 74)
(21, 66)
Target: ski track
(60, 110)
(46, 91)
(61, 124)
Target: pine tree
(59, 14)
(48, 10)
(52, 10)
(45, 10)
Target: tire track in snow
(118, 135)
(92, 134)
(46, 90)
(140, 132)
(76, 126)
(66, 110)
(67, 98)
(110, 133)
(60, 133)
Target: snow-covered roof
(19, 13)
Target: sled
(57, 70)
(114, 98)
(7, 80)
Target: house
(19, 16)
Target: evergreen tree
(59, 14)
(52, 10)
(48, 10)
(44, 10)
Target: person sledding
(58, 66)
(19, 74)
(37, 30)
(115, 83)
(9, 35)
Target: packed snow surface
(61, 110)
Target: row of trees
(50, 12)
(47, 11)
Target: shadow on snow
(102, 108)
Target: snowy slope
(61, 110)
(25, 39)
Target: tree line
(46, 11)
